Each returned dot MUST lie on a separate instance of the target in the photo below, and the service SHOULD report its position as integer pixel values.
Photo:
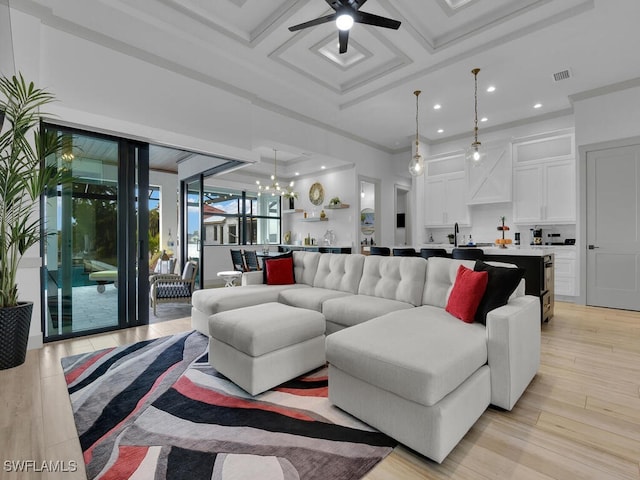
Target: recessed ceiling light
(297, 173)
(484, 119)
(491, 89)
(437, 106)
(537, 105)
(440, 130)
(323, 167)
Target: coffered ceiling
(245, 47)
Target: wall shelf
(336, 207)
(293, 210)
(314, 219)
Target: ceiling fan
(346, 14)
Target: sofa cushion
(394, 278)
(305, 266)
(467, 293)
(339, 272)
(352, 310)
(267, 260)
(441, 274)
(502, 283)
(311, 298)
(261, 329)
(420, 354)
(279, 271)
(214, 300)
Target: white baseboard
(35, 341)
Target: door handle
(591, 247)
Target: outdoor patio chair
(172, 288)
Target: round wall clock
(316, 194)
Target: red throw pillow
(279, 271)
(467, 292)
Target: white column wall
(609, 117)
(168, 183)
(26, 49)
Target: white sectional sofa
(397, 359)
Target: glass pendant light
(475, 154)
(416, 166)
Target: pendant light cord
(475, 72)
(275, 165)
(417, 93)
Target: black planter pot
(291, 203)
(14, 334)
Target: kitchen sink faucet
(456, 230)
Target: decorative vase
(14, 334)
(291, 203)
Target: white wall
(608, 117)
(6, 42)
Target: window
(226, 214)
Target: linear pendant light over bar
(416, 166)
(476, 153)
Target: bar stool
(468, 254)
(433, 252)
(384, 251)
(405, 252)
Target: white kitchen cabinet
(565, 272)
(544, 180)
(490, 182)
(446, 200)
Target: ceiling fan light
(344, 21)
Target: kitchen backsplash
(485, 219)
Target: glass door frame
(132, 249)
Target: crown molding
(606, 90)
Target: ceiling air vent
(563, 75)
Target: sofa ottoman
(259, 347)
(423, 373)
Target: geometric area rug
(157, 410)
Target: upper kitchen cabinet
(445, 192)
(544, 179)
(490, 182)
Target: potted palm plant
(22, 182)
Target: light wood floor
(579, 418)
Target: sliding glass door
(192, 202)
(96, 244)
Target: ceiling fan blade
(336, 4)
(343, 38)
(313, 23)
(358, 3)
(376, 20)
